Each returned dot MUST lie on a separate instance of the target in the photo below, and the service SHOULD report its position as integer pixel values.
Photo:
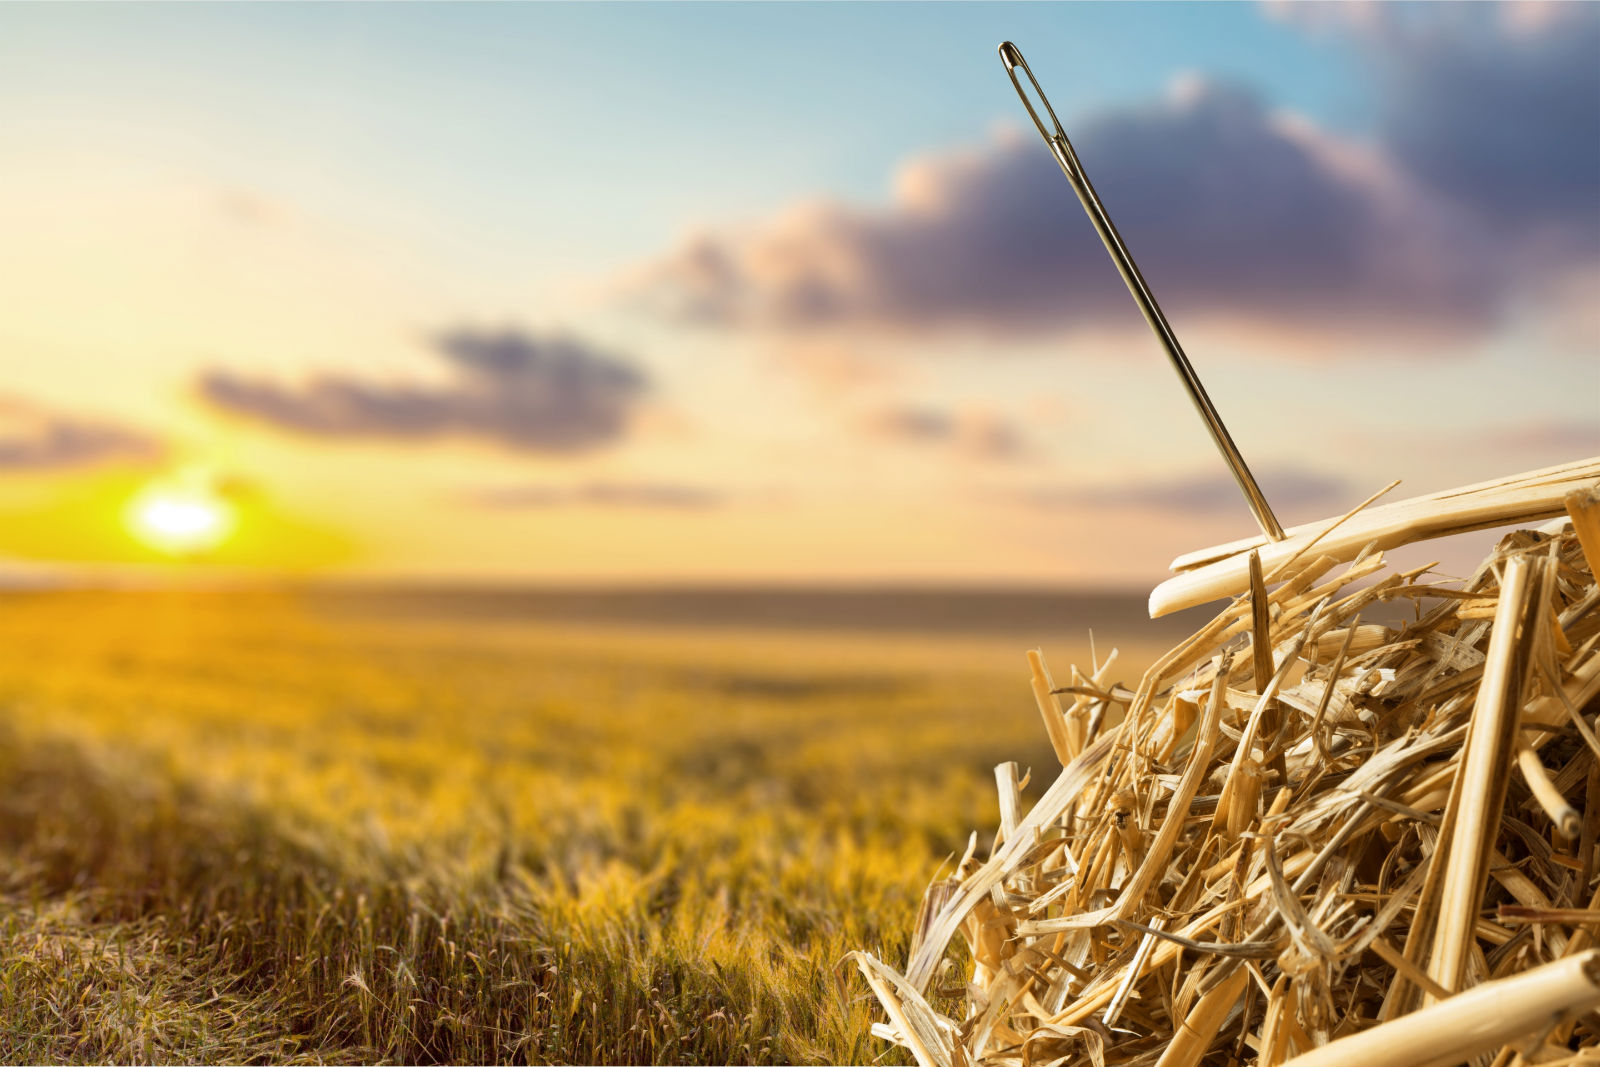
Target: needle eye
(1011, 56)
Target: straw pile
(1304, 837)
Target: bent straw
(1224, 570)
(1067, 159)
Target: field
(356, 827)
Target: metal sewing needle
(1061, 148)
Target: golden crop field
(252, 826)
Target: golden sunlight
(180, 517)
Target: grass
(235, 828)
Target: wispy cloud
(622, 495)
(32, 439)
(1546, 436)
(972, 433)
(1289, 489)
(534, 394)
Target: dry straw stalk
(1224, 570)
(1327, 829)
(1479, 1021)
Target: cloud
(635, 495)
(1227, 207)
(974, 433)
(1573, 438)
(1288, 489)
(1480, 182)
(1496, 106)
(35, 440)
(553, 395)
(832, 368)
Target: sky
(727, 293)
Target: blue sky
(487, 289)
(487, 117)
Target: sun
(180, 518)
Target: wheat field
(249, 827)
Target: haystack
(1305, 837)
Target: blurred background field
(419, 825)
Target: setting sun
(180, 519)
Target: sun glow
(180, 519)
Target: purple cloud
(34, 440)
(1226, 206)
(555, 395)
(1553, 437)
(1289, 489)
(975, 434)
(1495, 106)
(637, 495)
(1484, 180)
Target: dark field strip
(1024, 614)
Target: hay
(1304, 834)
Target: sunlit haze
(180, 519)
(696, 294)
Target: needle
(1061, 148)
